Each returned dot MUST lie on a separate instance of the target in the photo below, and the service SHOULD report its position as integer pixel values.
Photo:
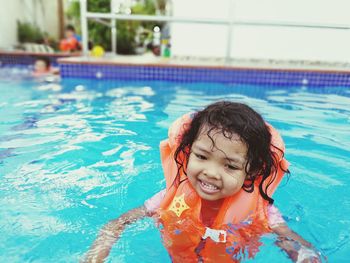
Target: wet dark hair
(232, 118)
(46, 60)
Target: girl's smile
(216, 167)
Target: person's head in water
(42, 65)
(225, 148)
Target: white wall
(8, 27)
(48, 13)
(45, 16)
(199, 39)
(263, 41)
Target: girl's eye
(201, 157)
(231, 167)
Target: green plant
(27, 32)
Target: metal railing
(230, 22)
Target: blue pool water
(77, 154)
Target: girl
(221, 166)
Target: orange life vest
(69, 44)
(239, 224)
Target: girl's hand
(110, 233)
(297, 248)
(308, 255)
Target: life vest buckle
(219, 236)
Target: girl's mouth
(208, 188)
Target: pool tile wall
(184, 73)
(28, 58)
(206, 74)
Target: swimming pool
(76, 155)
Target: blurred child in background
(71, 42)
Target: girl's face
(217, 172)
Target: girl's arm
(297, 248)
(111, 232)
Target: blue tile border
(26, 58)
(206, 74)
(178, 73)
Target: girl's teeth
(209, 186)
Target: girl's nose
(211, 171)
